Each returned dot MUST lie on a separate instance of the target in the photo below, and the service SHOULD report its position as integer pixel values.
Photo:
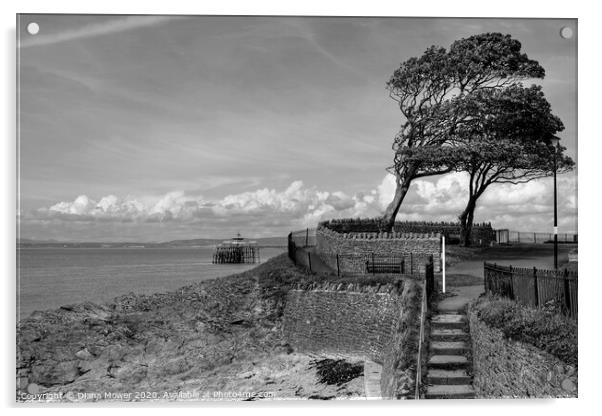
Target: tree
(429, 91)
(506, 139)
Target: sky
(154, 128)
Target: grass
(279, 275)
(541, 328)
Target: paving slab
(462, 295)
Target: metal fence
(534, 287)
(304, 238)
(510, 237)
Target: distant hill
(32, 243)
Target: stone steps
(464, 391)
(448, 362)
(449, 347)
(449, 335)
(455, 377)
(447, 366)
(448, 321)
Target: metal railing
(524, 237)
(534, 287)
(428, 288)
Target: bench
(385, 266)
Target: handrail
(420, 342)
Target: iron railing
(534, 287)
(525, 237)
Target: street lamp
(554, 141)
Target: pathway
(448, 366)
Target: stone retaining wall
(354, 249)
(335, 318)
(510, 369)
(353, 319)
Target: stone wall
(354, 319)
(510, 369)
(482, 233)
(348, 319)
(354, 249)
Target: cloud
(270, 211)
(96, 29)
(296, 204)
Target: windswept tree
(429, 91)
(506, 139)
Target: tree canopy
(435, 92)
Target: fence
(304, 238)
(508, 237)
(300, 251)
(533, 287)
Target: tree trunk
(403, 185)
(467, 220)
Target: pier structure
(236, 250)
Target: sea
(48, 278)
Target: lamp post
(554, 142)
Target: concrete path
(462, 295)
(372, 372)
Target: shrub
(542, 328)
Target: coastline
(167, 342)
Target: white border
(589, 204)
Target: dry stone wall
(482, 233)
(330, 318)
(354, 249)
(510, 369)
(355, 319)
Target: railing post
(534, 238)
(511, 294)
(309, 259)
(373, 265)
(536, 289)
(338, 267)
(567, 291)
(411, 263)
(306, 237)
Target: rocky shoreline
(166, 343)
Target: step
(449, 347)
(462, 391)
(447, 362)
(452, 377)
(449, 321)
(438, 334)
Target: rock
(570, 370)
(568, 385)
(33, 388)
(83, 354)
(22, 383)
(53, 373)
